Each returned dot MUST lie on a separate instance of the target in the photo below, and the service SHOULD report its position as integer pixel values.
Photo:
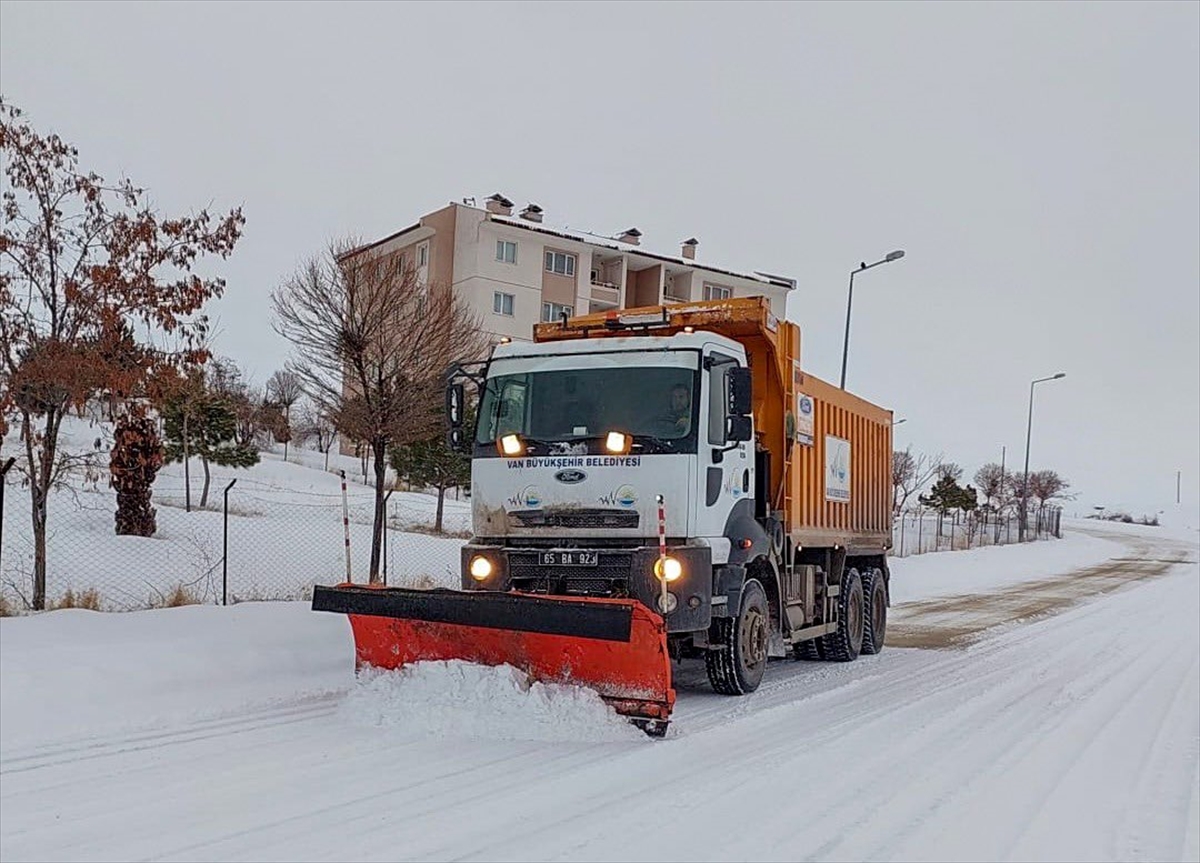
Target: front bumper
(618, 572)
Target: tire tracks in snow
(87, 748)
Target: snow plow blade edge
(617, 647)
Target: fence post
(920, 528)
(386, 498)
(3, 482)
(225, 546)
(346, 525)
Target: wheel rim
(753, 637)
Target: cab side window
(718, 397)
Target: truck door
(725, 475)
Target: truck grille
(610, 577)
(577, 518)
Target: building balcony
(606, 294)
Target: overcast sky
(1039, 164)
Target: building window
(506, 251)
(422, 254)
(554, 311)
(502, 304)
(717, 292)
(561, 263)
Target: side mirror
(454, 405)
(456, 439)
(738, 429)
(739, 393)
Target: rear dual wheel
(874, 612)
(846, 642)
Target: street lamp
(1021, 528)
(863, 265)
(897, 422)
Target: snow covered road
(1062, 726)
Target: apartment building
(516, 270)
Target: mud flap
(617, 647)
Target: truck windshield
(656, 405)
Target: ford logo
(570, 476)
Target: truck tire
(845, 644)
(874, 611)
(808, 650)
(737, 656)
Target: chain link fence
(253, 540)
(920, 531)
(262, 539)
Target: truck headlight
(480, 568)
(511, 444)
(617, 443)
(668, 568)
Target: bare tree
(990, 480)
(372, 346)
(950, 469)
(903, 470)
(312, 424)
(224, 379)
(96, 290)
(911, 473)
(284, 388)
(1047, 485)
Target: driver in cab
(679, 411)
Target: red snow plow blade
(617, 647)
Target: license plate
(570, 558)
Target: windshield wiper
(655, 443)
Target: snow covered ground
(1067, 726)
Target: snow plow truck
(650, 485)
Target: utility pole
(1021, 526)
(863, 265)
(1003, 452)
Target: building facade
(517, 270)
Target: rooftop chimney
(632, 236)
(532, 212)
(499, 205)
(689, 248)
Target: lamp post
(897, 422)
(887, 259)
(1021, 528)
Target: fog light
(481, 568)
(510, 444)
(668, 568)
(617, 443)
